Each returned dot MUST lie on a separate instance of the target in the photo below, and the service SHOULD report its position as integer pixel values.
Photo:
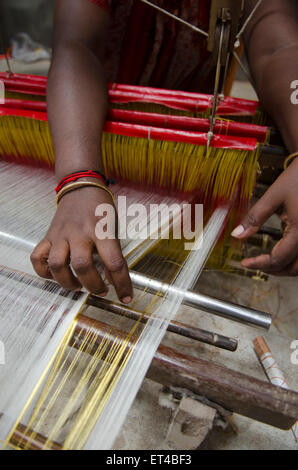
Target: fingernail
(126, 300)
(246, 263)
(237, 231)
(101, 294)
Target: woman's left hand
(281, 198)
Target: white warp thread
(126, 388)
(35, 314)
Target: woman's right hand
(71, 240)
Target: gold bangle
(289, 159)
(81, 184)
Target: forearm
(271, 43)
(77, 104)
(272, 48)
(273, 85)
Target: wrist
(81, 175)
(78, 185)
(74, 161)
(64, 172)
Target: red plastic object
(156, 133)
(163, 120)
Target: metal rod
(228, 310)
(243, 68)
(216, 89)
(181, 329)
(248, 19)
(177, 18)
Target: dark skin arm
(271, 41)
(77, 105)
(79, 28)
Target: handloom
(159, 148)
(105, 355)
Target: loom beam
(233, 390)
(181, 329)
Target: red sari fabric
(147, 48)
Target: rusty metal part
(181, 329)
(233, 390)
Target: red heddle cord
(81, 174)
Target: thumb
(259, 213)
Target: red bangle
(81, 174)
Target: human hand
(71, 240)
(281, 198)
